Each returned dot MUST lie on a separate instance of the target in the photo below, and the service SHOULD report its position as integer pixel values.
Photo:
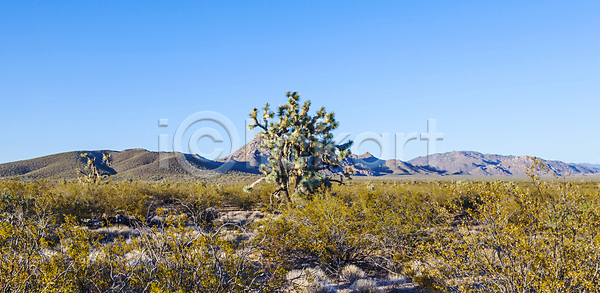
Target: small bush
(324, 231)
(365, 286)
(310, 280)
(396, 280)
(351, 274)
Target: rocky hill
(141, 164)
(475, 163)
(249, 157)
(368, 165)
(134, 163)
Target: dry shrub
(539, 240)
(365, 286)
(309, 280)
(351, 273)
(467, 236)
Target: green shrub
(537, 236)
(520, 241)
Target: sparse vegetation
(461, 236)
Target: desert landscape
(299, 147)
(279, 220)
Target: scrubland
(364, 236)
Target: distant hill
(141, 164)
(249, 157)
(137, 164)
(475, 163)
(593, 166)
(368, 165)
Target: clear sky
(504, 77)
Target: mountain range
(141, 164)
(249, 157)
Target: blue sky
(505, 77)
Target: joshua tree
(92, 174)
(302, 149)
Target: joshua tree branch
(256, 182)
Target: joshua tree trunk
(285, 196)
(283, 187)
